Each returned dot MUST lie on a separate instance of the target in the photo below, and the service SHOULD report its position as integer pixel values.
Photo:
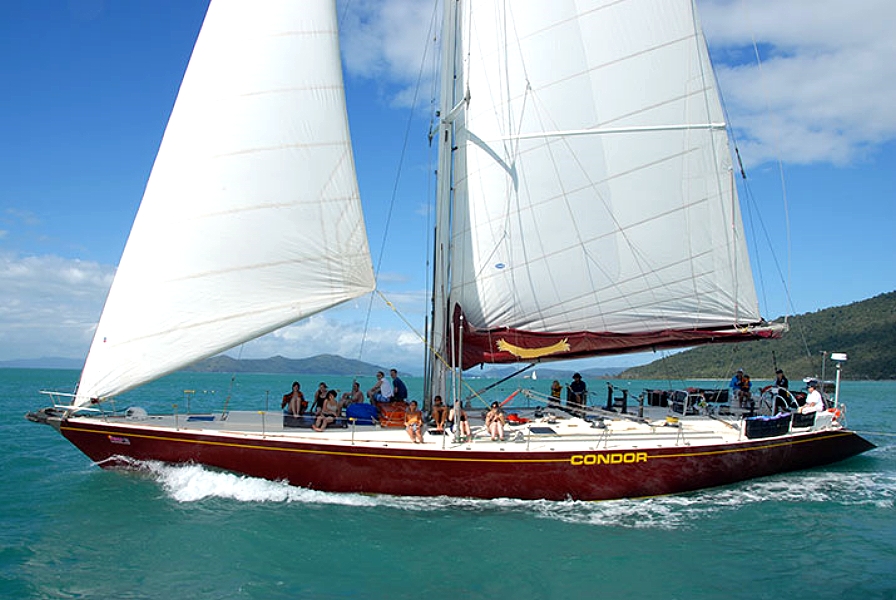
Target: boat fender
(836, 412)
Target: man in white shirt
(381, 390)
(386, 390)
(814, 401)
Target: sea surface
(69, 529)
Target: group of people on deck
(576, 395)
(740, 391)
(325, 407)
(385, 390)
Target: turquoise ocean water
(71, 530)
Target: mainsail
(251, 218)
(594, 208)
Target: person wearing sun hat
(814, 401)
(577, 395)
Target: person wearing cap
(781, 391)
(780, 380)
(814, 401)
(577, 395)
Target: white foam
(193, 483)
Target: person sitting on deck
(399, 389)
(294, 401)
(353, 397)
(458, 415)
(814, 401)
(746, 394)
(319, 395)
(494, 421)
(439, 413)
(328, 413)
(381, 390)
(413, 422)
(554, 398)
(734, 385)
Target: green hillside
(865, 331)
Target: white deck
(556, 431)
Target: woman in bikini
(413, 422)
(328, 412)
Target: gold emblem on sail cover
(526, 353)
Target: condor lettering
(613, 458)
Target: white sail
(251, 217)
(593, 193)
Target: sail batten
(251, 218)
(610, 131)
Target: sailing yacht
(586, 206)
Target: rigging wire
(753, 206)
(404, 148)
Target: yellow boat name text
(613, 458)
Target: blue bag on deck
(363, 413)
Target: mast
(437, 376)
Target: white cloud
(49, 305)
(827, 82)
(387, 40)
(21, 217)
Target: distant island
(322, 364)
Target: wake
(195, 483)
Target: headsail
(251, 218)
(594, 206)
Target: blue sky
(89, 84)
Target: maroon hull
(593, 475)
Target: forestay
(251, 217)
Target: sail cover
(251, 218)
(595, 210)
